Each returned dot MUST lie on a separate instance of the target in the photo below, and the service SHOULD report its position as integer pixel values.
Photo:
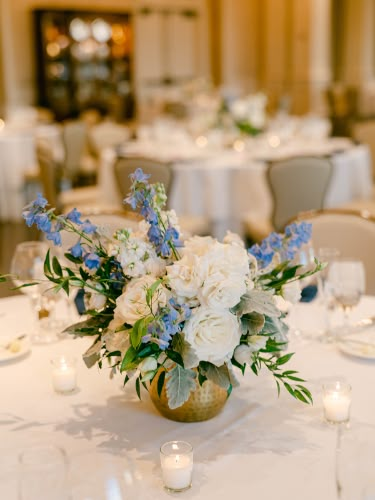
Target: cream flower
(212, 334)
(186, 276)
(221, 291)
(233, 239)
(132, 306)
(94, 298)
(198, 245)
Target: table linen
(260, 446)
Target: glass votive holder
(176, 458)
(337, 399)
(64, 374)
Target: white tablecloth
(18, 158)
(225, 185)
(259, 447)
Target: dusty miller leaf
(180, 382)
(258, 301)
(91, 356)
(219, 375)
(252, 323)
(117, 341)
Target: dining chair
(107, 134)
(296, 185)
(51, 175)
(163, 173)
(351, 232)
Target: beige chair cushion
(350, 233)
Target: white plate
(7, 354)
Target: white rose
(281, 303)
(227, 260)
(132, 306)
(221, 291)
(186, 276)
(212, 334)
(198, 245)
(291, 292)
(233, 239)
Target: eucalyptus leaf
(92, 355)
(180, 382)
(252, 323)
(219, 375)
(258, 301)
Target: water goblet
(347, 281)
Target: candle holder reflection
(64, 374)
(176, 459)
(336, 402)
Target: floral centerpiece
(180, 311)
(249, 113)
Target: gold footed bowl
(204, 403)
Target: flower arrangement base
(204, 403)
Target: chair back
(160, 172)
(298, 184)
(75, 143)
(351, 232)
(365, 132)
(50, 175)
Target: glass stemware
(347, 282)
(27, 267)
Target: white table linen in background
(260, 446)
(226, 186)
(17, 157)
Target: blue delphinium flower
(40, 202)
(77, 250)
(87, 227)
(55, 237)
(274, 240)
(263, 254)
(92, 261)
(139, 176)
(74, 216)
(43, 222)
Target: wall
(17, 35)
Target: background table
(225, 185)
(259, 446)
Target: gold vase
(204, 403)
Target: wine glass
(27, 267)
(347, 282)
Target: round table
(260, 446)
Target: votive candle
(176, 459)
(64, 374)
(336, 401)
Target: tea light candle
(176, 459)
(336, 401)
(64, 374)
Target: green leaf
(150, 292)
(180, 383)
(130, 356)
(219, 375)
(47, 264)
(175, 356)
(138, 388)
(284, 359)
(161, 380)
(139, 330)
(56, 266)
(75, 260)
(289, 388)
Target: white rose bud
(242, 354)
(291, 292)
(148, 365)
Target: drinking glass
(26, 267)
(43, 473)
(326, 255)
(347, 281)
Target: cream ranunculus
(222, 291)
(212, 334)
(186, 276)
(132, 306)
